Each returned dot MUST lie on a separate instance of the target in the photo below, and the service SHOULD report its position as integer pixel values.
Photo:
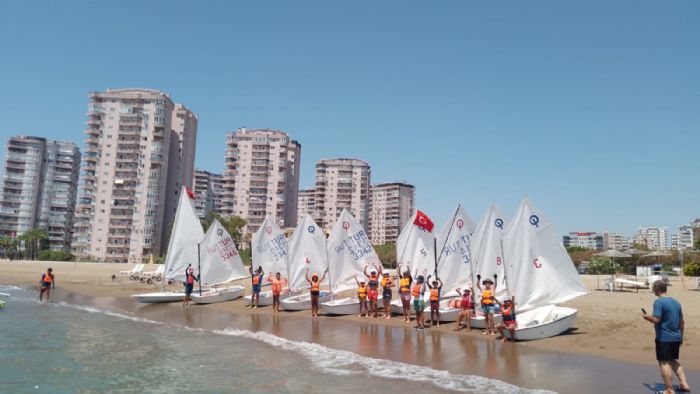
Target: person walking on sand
(277, 283)
(466, 305)
(510, 322)
(190, 278)
(315, 283)
(387, 284)
(488, 303)
(47, 281)
(435, 300)
(417, 293)
(256, 278)
(405, 292)
(362, 296)
(667, 317)
(373, 289)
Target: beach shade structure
(633, 251)
(613, 254)
(656, 254)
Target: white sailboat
(454, 265)
(182, 250)
(488, 258)
(220, 263)
(415, 246)
(307, 249)
(349, 251)
(269, 251)
(540, 274)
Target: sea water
(62, 348)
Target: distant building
(139, 153)
(261, 177)
(588, 240)
(391, 206)
(207, 189)
(655, 238)
(616, 241)
(341, 184)
(39, 187)
(306, 203)
(684, 239)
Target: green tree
(600, 265)
(55, 255)
(33, 240)
(579, 254)
(386, 254)
(234, 225)
(697, 243)
(692, 269)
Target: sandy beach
(609, 326)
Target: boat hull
(303, 302)
(562, 320)
(397, 307)
(159, 297)
(266, 297)
(213, 296)
(345, 306)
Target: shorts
(372, 294)
(386, 294)
(315, 293)
(667, 351)
(434, 305)
(46, 285)
(511, 325)
(419, 305)
(275, 297)
(188, 288)
(362, 298)
(256, 289)
(406, 297)
(489, 308)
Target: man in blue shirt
(668, 322)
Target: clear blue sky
(592, 109)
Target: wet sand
(551, 364)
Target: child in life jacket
(256, 278)
(362, 296)
(373, 289)
(466, 305)
(417, 292)
(405, 291)
(435, 300)
(509, 321)
(387, 284)
(488, 301)
(277, 283)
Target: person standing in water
(387, 284)
(466, 305)
(373, 289)
(315, 283)
(190, 278)
(47, 281)
(435, 300)
(362, 297)
(667, 318)
(405, 292)
(417, 293)
(488, 303)
(277, 283)
(256, 278)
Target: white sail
(416, 246)
(454, 260)
(219, 258)
(486, 249)
(539, 271)
(270, 248)
(186, 234)
(307, 249)
(349, 250)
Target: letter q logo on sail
(460, 224)
(346, 225)
(535, 220)
(311, 230)
(268, 230)
(499, 223)
(220, 232)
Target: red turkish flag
(190, 193)
(423, 222)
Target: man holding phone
(667, 318)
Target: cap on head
(420, 278)
(487, 281)
(385, 273)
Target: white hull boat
(397, 307)
(543, 322)
(266, 297)
(346, 306)
(303, 302)
(159, 297)
(221, 294)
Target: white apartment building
(588, 240)
(615, 241)
(655, 238)
(208, 188)
(261, 177)
(39, 186)
(139, 153)
(684, 239)
(342, 184)
(306, 203)
(391, 207)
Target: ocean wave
(91, 309)
(338, 362)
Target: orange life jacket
(362, 291)
(434, 295)
(256, 280)
(508, 313)
(47, 278)
(404, 285)
(386, 282)
(487, 297)
(416, 290)
(276, 286)
(315, 286)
